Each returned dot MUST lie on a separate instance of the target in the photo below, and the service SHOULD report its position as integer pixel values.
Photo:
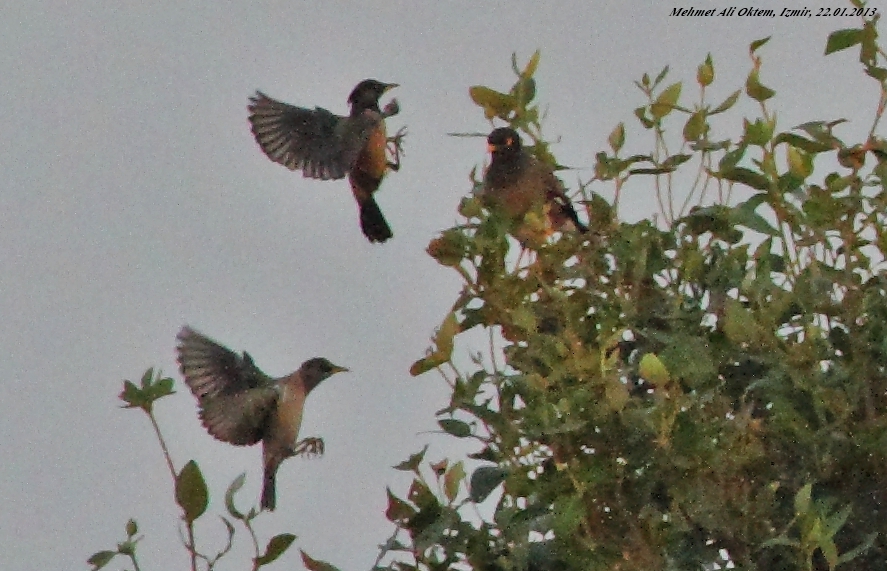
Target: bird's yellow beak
(390, 86)
(338, 369)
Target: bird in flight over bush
(327, 146)
(241, 405)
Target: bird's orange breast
(288, 416)
(373, 159)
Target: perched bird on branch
(327, 146)
(241, 405)
(517, 183)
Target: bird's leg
(309, 447)
(395, 148)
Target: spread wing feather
(321, 144)
(240, 419)
(211, 370)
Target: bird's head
(314, 371)
(367, 93)
(504, 142)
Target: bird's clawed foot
(309, 447)
(391, 109)
(395, 148)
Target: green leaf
(657, 170)
(696, 126)
(152, 388)
(821, 131)
(315, 564)
(740, 325)
(443, 350)
(837, 184)
(277, 546)
(666, 101)
(524, 91)
(842, 39)
(616, 395)
(162, 388)
(133, 396)
(744, 215)
(641, 114)
(127, 548)
(495, 104)
(757, 133)
(753, 47)
(803, 501)
(450, 247)
(412, 463)
(484, 480)
(867, 544)
(705, 73)
(836, 521)
(868, 51)
(755, 89)
(617, 138)
(425, 364)
(191, 493)
(523, 318)
(455, 427)
(422, 497)
(661, 76)
(879, 73)
(714, 219)
(674, 161)
(531, 66)
(829, 551)
(781, 541)
(452, 479)
(101, 558)
(727, 103)
(653, 370)
(732, 158)
(568, 514)
(746, 177)
(233, 488)
(801, 142)
(689, 358)
(800, 164)
(398, 511)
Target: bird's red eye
(509, 142)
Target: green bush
(708, 389)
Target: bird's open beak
(390, 86)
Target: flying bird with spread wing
(327, 146)
(241, 405)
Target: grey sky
(135, 200)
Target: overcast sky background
(135, 200)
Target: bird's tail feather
(563, 213)
(372, 222)
(574, 217)
(269, 493)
